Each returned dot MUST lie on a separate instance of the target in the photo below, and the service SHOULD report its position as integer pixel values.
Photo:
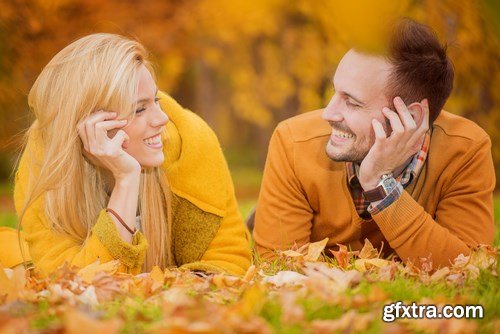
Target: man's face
(359, 97)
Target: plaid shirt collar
(409, 173)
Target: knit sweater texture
(447, 208)
(208, 232)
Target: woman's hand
(108, 152)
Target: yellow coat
(208, 232)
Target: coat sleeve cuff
(130, 254)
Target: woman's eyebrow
(146, 99)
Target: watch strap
(375, 195)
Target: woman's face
(145, 128)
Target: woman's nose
(160, 118)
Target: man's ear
(417, 112)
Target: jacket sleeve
(283, 215)
(229, 251)
(463, 218)
(50, 249)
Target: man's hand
(389, 153)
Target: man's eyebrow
(347, 94)
(146, 99)
(354, 98)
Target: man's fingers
(404, 114)
(424, 126)
(396, 125)
(379, 130)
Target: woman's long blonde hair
(96, 72)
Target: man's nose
(332, 112)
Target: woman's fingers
(102, 128)
(120, 139)
(87, 131)
(83, 135)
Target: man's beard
(356, 153)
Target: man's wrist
(371, 182)
(383, 188)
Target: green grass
(8, 219)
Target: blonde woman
(115, 169)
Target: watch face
(389, 184)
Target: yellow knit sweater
(208, 232)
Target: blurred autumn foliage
(246, 65)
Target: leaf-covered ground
(302, 292)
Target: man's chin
(342, 156)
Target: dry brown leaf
(88, 273)
(426, 264)
(367, 264)
(12, 287)
(315, 249)
(250, 273)
(292, 253)
(484, 257)
(106, 286)
(440, 274)
(387, 273)
(343, 279)
(77, 322)
(285, 277)
(343, 256)
(158, 278)
(368, 251)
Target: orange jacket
(305, 197)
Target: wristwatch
(384, 187)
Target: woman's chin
(152, 162)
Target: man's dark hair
(421, 68)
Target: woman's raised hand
(108, 152)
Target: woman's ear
(417, 112)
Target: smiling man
(382, 161)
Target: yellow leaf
(12, 286)
(292, 253)
(250, 273)
(368, 251)
(315, 249)
(88, 273)
(157, 275)
(252, 301)
(366, 264)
